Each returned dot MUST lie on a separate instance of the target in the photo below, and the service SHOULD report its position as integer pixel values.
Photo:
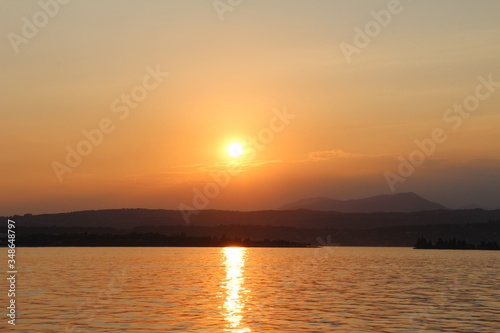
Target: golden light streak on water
(234, 259)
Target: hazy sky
(363, 80)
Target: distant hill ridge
(302, 218)
(399, 203)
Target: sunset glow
(235, 149)
(250, 166)
(320, 107)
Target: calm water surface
(332, 289)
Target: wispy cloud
(198, 171)
(333, 154)
(241, 165)
(184, 167)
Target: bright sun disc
(235, 149)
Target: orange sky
(227, 79)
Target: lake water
(332, 289)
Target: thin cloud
(241, 165)
(333, 154)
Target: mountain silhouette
(400, 202)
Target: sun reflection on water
(234, 260)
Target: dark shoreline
(301, 227)
(171, 246)
(415, 248)
(146, 240)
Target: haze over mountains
(304, 226)
(400, 203)
(384, 220)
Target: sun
(235, 149)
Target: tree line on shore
(146, 239)
(454, 244)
